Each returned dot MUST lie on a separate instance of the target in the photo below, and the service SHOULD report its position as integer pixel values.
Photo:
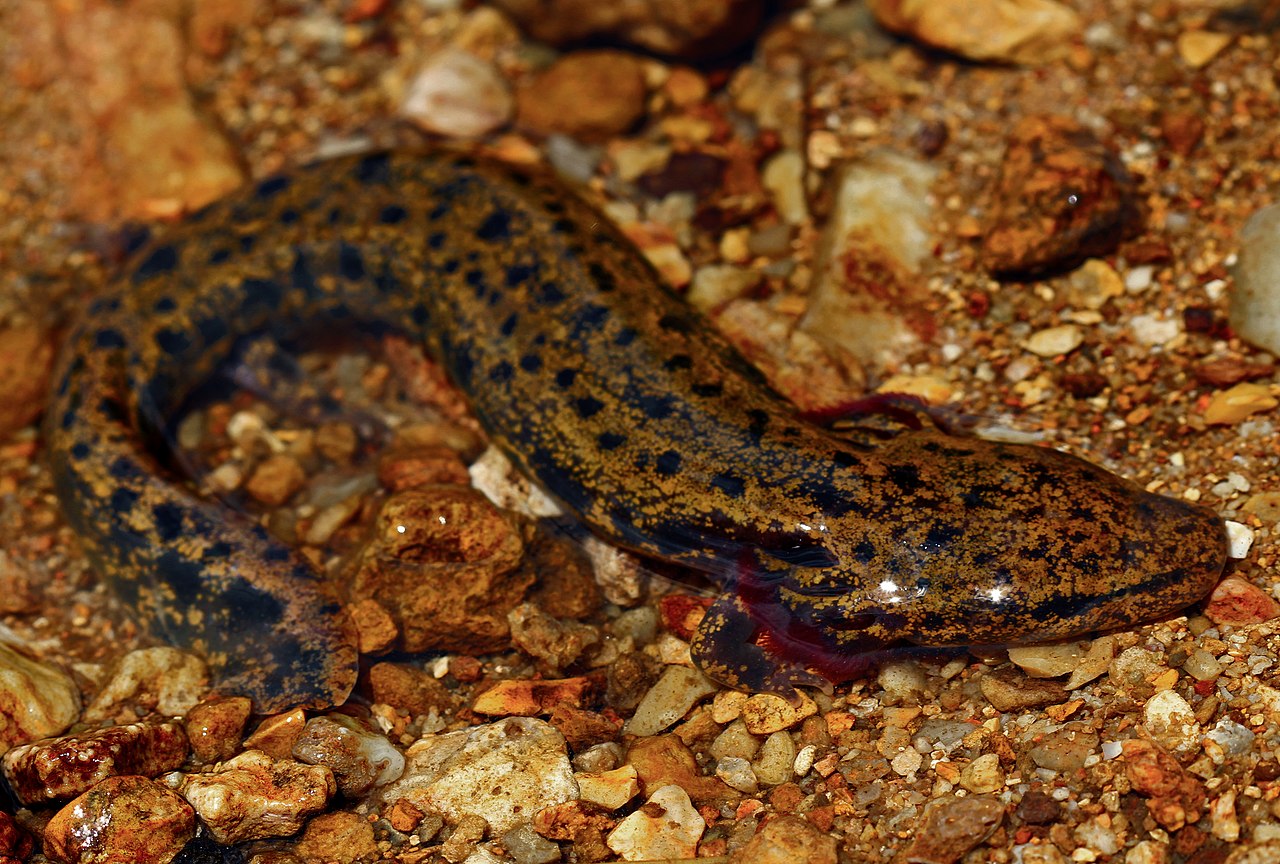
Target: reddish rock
(1176, 797)
(587, 95)
(277, 734)
(26, 361)
(120, 819)
(444, 562)
(359, 757)
(61, 768)
(409, 689)
(1238, 602)
(216, 725)
(1060, 197)
(518, 698)
(342, 837)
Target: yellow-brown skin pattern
(616, 397)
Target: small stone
(678, 690)
(1175, 797)
(1054, 341)
(949, 827)
(61, 768)
(376, 630)
(1231, 406)
(1238, 602)
(666, 826)
(1183, 130)
(340, 837)
(983, 775)
(1239, 539)
(737, 773)
(776, 761)
(557, 644)
(1031, 32)
(26, 362)
(783, 177)
(1064, 749)
(458, 95)
(527, 847)
(665, 760)
(215, 726)
(461, 845)
(503, 772)
(1202, 666)
(1198, 47)
(409, 689)
(164, 680)
(1048, 659)
(120, 819)
(276, 479)
(1255, 299)
(609, 790)
(1223, 822)
(529, 698)
(277, 734)
(765, 713)
(360, 758)
(1152, 329)
(586, 95)
(37, 699)
(406, 467)
(253, 797)
(786, 839)
(717, 284)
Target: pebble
(528, 698)
(526, 846)
(678, 690)
(585, 95)
(1029, 32)
(1154, 329)
(445, 563)
(277, 734)
(410, 689)
(765, 713)
(1198, 47)
(360, 758)
(26, 362)
(775, 763)
(983, 775)
(503, 772)
(253, 797)
(1254, 310)
(121, 819)
(1048, 660)
(215, 727)
(735, 740)
(1202, 666)
(162, 679)
(1233, 738)
(1054, 341)
(693, 29)
(737, 773)
(1060, 196)
(555, 643)
(60, 768)
(783, 178)
(786, 839)
(276, 479)
(717, 284)
(1227, 407)
(37, 699)
(340, 837)
(458, 95)
(1065, 749)
(665, 759)
(1239, 602)
(882, 219)
(1011, 691)
(949, 827)
(609, 790)
(667, 826)
(1175, 798)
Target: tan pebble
(276, 479)
(609, 790)
(667, 826)
(590, 95)
(409, 689)
(341, 837)
(1233, 405)
(764, 713)
(168, 678)
(277, 734)
(37, 699)
(1054, 341)
(216, 725)
(520, 698)
(375, 628)
(1198, 47)
(359, 757)
(983, 775)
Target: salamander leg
(723, 649)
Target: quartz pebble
(678, 690)
(503, 772)
(667, 826)
(121, 819)
(37, 699)
(609, 790)
(253, 797)
(1030, 32)
(1255, 300)
(458, 95)
(1054, 341)
(167, 679)
(61, 768)
(360, 758)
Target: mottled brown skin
(619, 400)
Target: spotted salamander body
(618, 399)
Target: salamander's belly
(612, 394)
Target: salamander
(619, 399)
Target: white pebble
(1138, 279)
(1239, 539)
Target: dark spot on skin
(708, 391)
(864, 552)
(219, 256)
(601, 276)
(162, 260)
(168, 521)
(124, 469)
(625, 337)
(509, 326)
(496, 226)
(656, 407)
(287, 217)
(845, 460)
(941, 537)
(173, 342)
(610, 440)
(531, 362)
(104, 306)
(906, 477)
(549, 294)
(271, 187)
(212, 329)
(350, 262)
(678, 361)
(758, 421)
(123, 499)
(519, 274)
(392, 214)
(420, 314)
(593, 316)
(565, 378)
(587, 407)
(335, 216)
(675, 323)
(261, 293)
(275, 552)
(164, 304)
(375, 168)
(108, 338)
(300, 275)
(729, 484)
(80, 450)
(501, 372)
(667, 464)
(217, 549)
(436, 239)
(475, 278)
(563, 226)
